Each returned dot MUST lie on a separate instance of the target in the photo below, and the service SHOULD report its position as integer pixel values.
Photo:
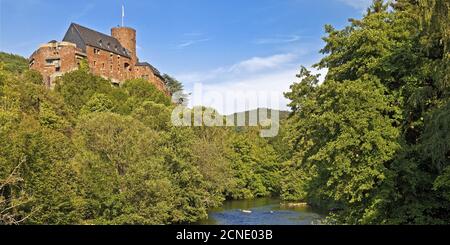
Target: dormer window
(100, 42)
(109, 45)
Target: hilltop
(13, 63)
(282, 114)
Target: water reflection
(265, 211)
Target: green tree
(371, 139)
(13, 63)
(78, 87)
(124, 175)
(175, 88)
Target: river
(264, 211)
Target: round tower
(127, 37)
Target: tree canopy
(92, 153)
(372, 140)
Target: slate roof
(83, 36)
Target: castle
(112, 57)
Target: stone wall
(147, 73)
(55, 58)
(109, 65)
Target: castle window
(96, 51)
(103, 66)
(95, 63)
(55, 62)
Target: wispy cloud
(241, 68)
(278, 40)
(358, 4)
(259, 63)
(271, 74)
(187, 43)
(270, 83)
(191, 38)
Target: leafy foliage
(13, 63)
(91, 153)
(372, 141)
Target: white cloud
(269, 76)
(260, 91)
(242, 68)
(188, 43)
(278, 40)
(243, 94)
(260, 63)
(192, 38)
(358, 4)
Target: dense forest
(91, 153)
(370, 143)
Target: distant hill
(13, 63)
(283, 114)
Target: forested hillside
(91, 153)
(373, 141)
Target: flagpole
(123, 14)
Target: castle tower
(127, 37)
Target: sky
(227, 46)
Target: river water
(264, 211)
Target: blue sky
(240, 44)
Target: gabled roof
(83, 36)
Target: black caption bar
(220, 234)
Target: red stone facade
(147, 73)
(127, 37)
(109, 65)
(56, 58)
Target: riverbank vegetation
(90, 153)
(372, 141)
